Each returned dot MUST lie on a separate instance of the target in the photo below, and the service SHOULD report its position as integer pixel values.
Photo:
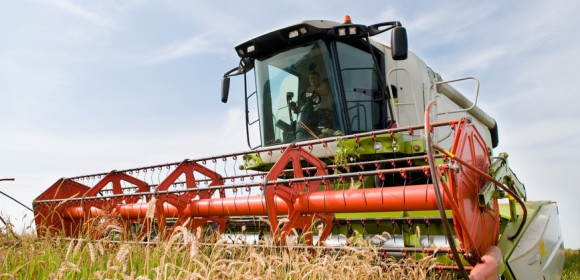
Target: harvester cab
(320, 79)
(360, 142)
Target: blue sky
(91, 86)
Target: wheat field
(182, 257)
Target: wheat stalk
(91, 251)
(69, 249)
(78, 247)
(122, 254)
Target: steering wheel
(315, 98)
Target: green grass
(572, 265)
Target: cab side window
(361, 87)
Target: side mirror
(225, 89)
(399, 47)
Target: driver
(323, 110)
(314, 110)
(321, 89)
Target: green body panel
(500, 170)
(350, 150)
(369, 147)
(254, 162)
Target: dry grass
(182, 257)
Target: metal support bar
(2, 219)
(23, 205)
(273, 182)
(486, 195)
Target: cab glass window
(363, 96)
(297, 95)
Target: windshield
(298, 95)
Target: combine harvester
(356, 139)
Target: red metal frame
(290, 194)
(305, 198)
(180, 201)
(72, 206)
(50, 217)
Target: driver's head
(314, 78)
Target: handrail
(476, 92)
(448, 91)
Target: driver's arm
(322, 90)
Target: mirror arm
(246, 64)
(374, 29)
(229, 73)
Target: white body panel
(416, 86)
(540, 252)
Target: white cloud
(30, 84)
(447, 22)
(179, 49)
(486, 58)
(83, 13)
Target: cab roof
(291, 36)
